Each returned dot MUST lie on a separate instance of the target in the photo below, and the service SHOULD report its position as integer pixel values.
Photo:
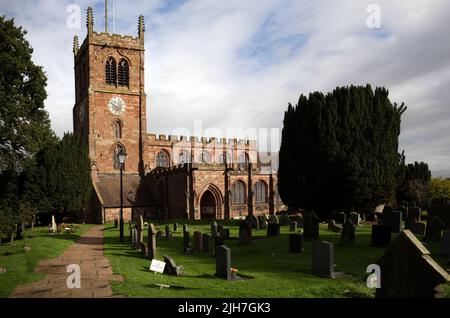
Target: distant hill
(441, 173)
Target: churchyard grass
(276, 272)
(19, 263)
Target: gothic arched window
(162, 159)
(123, 77)
(260, 192)
(110, 71)
(224, 157)
(116, 163)
(238, 193)
(204, 157)
(118, 129)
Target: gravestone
(144, 248)
(198, 242)
(284, 219)
(54, 226)
(223, 262)
(245, 233)
(381, 235)
(151, 241)
(140, 232)
(408, 271)
(218, 240)
(187, 244)
(295, 243)
(293, 227)
(273, 229)
(134, 237)
(445, 243)
(116, 223)
(298, 219)
(175, 227)
(219, 229)
(207, 248)
(414, 213)
(171, 267)
(348, 233)
(225, 233)
(417, 228)
(253, 221)
(387, 215)
(396, 222)
(332, 226)
(273, 218)
(355, 218)
(167, 232)
(311, 227)
(214, 229)
(185, 228)
(434, 229)
(323, 259)
(340, 217)
(262, 221)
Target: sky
(219, 68)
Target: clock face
(116, 105)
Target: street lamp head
(122, 155)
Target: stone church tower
(110, 101)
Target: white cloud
(238, 63)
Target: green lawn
(20, 264)
(276, 272)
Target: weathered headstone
(134, 237)
(381, 235)
(223, 262)
(311, 227)
(293, 227)
(198, 242)
(140, 232)
(273, 229)
(167, 232)
(214, 229)
(434, 229)
(417, 228)
(175, 227)
(253, 221)
(187, 244)
(323, 259)
(225, 233)
(245, 233)
(355, 218)
(408, 271)
(151, 241)
(396, 222)
(387, 215)
(295, 243)
(332, 226)
(414, 213)
(54, 226)
(207, 248)
(340, 217)
(445, 243)
(116, 223)
(171, 267)
(348, 233)
(218, 240)
(144, 248)
(284, 219)
(219, 229)
(185, 228)
(298, 219)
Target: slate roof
(134, 193)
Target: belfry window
(110, 71)
(123, 77)
(162, 159)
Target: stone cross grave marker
(151, 239)
(295, 243)
(408, 271)
(223, 262)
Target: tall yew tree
(339, 151)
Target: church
(174, 177)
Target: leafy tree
(439, 189)
(24, 124)
(415, 183)
(339, 151)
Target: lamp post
(121, 156)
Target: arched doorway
(208, 205)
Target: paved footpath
(96, 272)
